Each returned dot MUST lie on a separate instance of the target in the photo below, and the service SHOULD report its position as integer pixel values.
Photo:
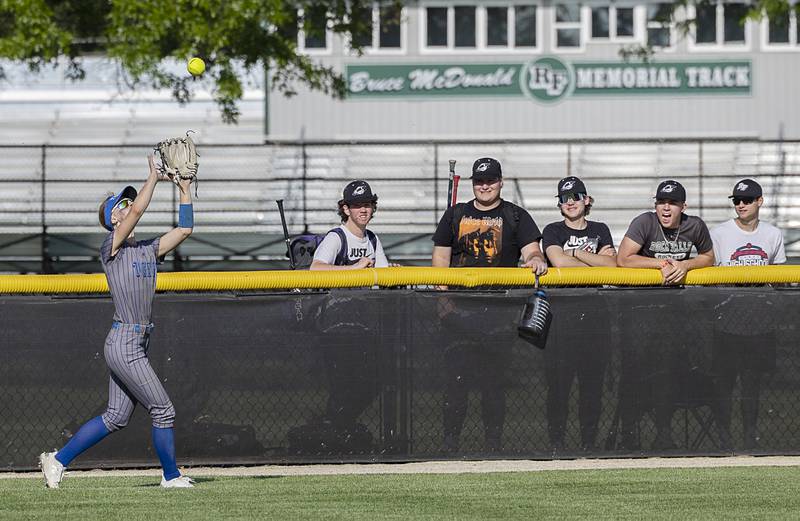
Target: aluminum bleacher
(237, 217)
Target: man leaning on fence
(664, 239)
(580, 332)
(655, 357)
(744, 328)
(484, 232)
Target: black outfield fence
(387, 375)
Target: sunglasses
(745, 200)
(123, 203)
(565, 198)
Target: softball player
(130, 269)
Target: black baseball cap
(671, 190)
(111, 201)
(358, 192)
(747, 188)
(486, 168)
(571, 185)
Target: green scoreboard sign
(548, 79)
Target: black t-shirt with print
(661, 243)
(592, 238)
(483, 238)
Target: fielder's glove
(178, 159)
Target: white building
(526, 69)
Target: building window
(363, 18)
(436, 26)
(659, 25)
(313, 35)
(612, 22)
(383, 23)
(464, 26)
(625, 22)
(497, 26)
(719, 24)
(390, 19)
(734, 22)
(481, 28)
(567, 26)
(511, 27)
(782, 33)
(525, 25)
(600, 23)
(780, 29)
(706, 25)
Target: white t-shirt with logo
(357, 247)
(736, 247)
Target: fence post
(569, 159)
(305, 187)
(436, 182)
(700, 176)
(47, 265)
(778, 181)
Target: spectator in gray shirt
(655, 367)
(663, 239)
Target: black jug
(534, 324)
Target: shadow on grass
(210, 479)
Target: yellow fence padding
(406, 276)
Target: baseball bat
(450, 183)
(286, 234)
(456, 179)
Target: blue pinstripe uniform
(131, 275)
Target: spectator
(583, 351)
(576, 241)
(352, 245)
(743, 345)
(349, 350)
(655, 365)
(664, 239)
(484, 232)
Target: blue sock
(164, 442)
(89, 434)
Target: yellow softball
(196, 66)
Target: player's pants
(132, 378)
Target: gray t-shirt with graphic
(662, 243)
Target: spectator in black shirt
(581, 332)
(487, 231)
(576, 241)
(484, 232)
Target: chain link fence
(387, 375)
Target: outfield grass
(686, 494)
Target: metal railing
(51, 192)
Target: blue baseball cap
(111, 201)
